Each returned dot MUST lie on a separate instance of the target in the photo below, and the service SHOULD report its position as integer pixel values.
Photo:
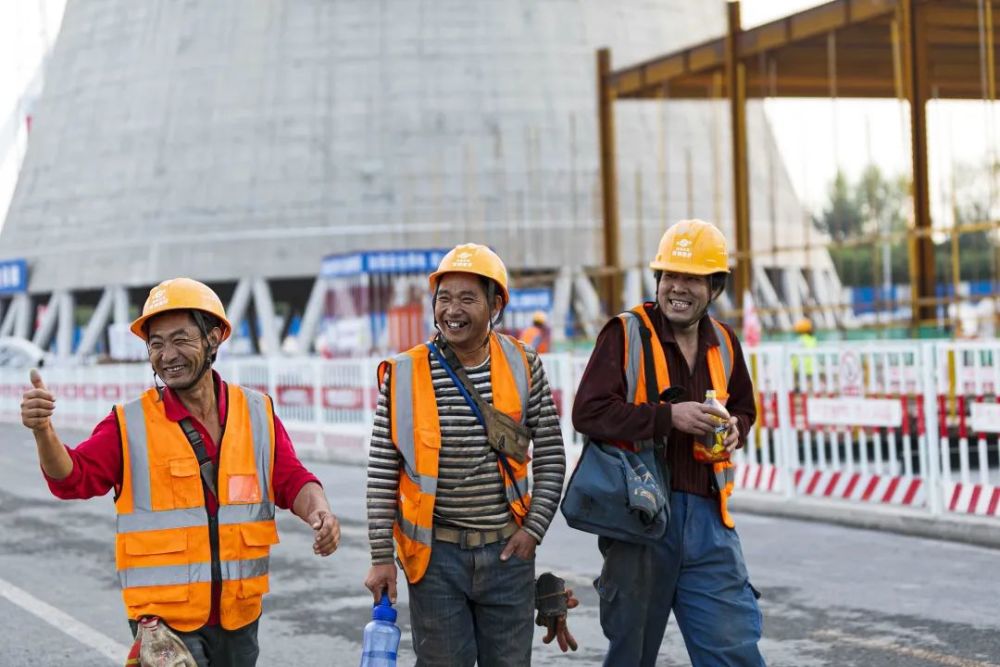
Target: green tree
(881, 201)
(842, 218)
(875, 204)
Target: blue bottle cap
(383, 611)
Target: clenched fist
(37, 405)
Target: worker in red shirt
(197, 466)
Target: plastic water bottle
(712, 448)
(381, 642)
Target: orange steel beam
(711, 55)
(612, 287)
(736, 85)
(915, 61)
(797, 43)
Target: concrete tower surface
(225, 139)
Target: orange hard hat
(475, 259)
(692, 246)
(181, 294)
(539, 317)
(803, 325)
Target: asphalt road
(832, 595)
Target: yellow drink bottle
(711, 448)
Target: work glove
(552, 600)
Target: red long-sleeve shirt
(602, 412)
(97, 463)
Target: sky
(815, 137)
(27, 29)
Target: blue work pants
(697, 571)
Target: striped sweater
(470, 492)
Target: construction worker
(538, 335)
(456, 500)
(195, 526)
(697, 570)
(803, 328)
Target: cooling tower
(225, 139)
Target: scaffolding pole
(612, 284)
(736, 87)
(915, 63)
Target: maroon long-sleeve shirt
(97, 463)
(602, 412)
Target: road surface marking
(911, 652)
(65, 623)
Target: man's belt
(468, 538)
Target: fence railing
(903, 423)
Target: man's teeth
(455, 325)
(679, 304)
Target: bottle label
(720, 437)
(383, 655)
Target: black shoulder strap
(204, 460)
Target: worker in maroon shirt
(697, 570)
(197, 466)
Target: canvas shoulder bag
(617, 493)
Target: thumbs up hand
(37, 404)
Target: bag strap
(446, 357)
(457, 372)
(451, 365)
(205, 464)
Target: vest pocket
(157, 565)
(145, 596)
(155, 543)
(257, 539)
(185, 483)
(255, 546)
(254, 587)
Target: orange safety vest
(720, 369)
(536, 338)
(416, 433)
(163, 545)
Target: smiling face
(461, 310)
(683, 298)
(177, 349)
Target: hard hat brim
(686, 268)
(435, 278)
(137, 326)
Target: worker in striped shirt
(454, 495)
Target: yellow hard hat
(475, 259)
(181, 294)
(692, 246)
(803, 325)
(539, 317)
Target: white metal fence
(907, 423)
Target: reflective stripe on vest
(416, 432)
(166, 546)
(720, 365)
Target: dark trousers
(470, 606)
(698, 572)
(214, 646)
